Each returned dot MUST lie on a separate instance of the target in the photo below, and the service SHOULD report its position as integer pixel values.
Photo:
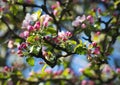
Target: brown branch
(12, 32)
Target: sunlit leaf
(30, 61)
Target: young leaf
(30, 61)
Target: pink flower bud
(98, 33)
(83, 25)
(45, 23)
(30, 28)
(37, 25)
(97, 51)
(90, 18)
(23, 45)
(26, 34)
(68, 34)
(56, 40)
(94, 44)
(6, 68)
(53, 6)
(19, 52)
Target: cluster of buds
(80, 21)
(20, 48)
(95, 48)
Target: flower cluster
(94, 48)
(34, 22)
(32, 25)
(62, 37)
(81, 21)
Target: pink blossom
(97, 50)
(30, 28)
(78, 20)
(97, 33)
(25, 24)
(84, 82)
(56, 40)
(20, 53)
(83, 25)
(46, 19)
(37, 25)
(75, 23)
(26, 34)
(6, 68)
(82, 19)
(94, 44)
(28, 19)
(68, 34)
(53, 6)
(45, 23)
(90, 18)
(22, 46)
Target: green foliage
(30, 61)
(47, 40)
(14, 9)
(80, 49)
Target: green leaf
(90, 73)
(14, 9)
(31, 39)
(43, 68)
(50, 30)
(20, 1)
(30, 61)
(80, 49)
(72, 42)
